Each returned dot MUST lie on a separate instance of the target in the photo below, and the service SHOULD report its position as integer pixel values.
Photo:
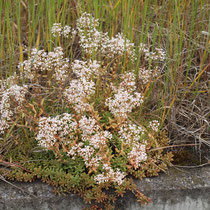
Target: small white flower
(154, 125)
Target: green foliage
(68, 175)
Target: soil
(190, 156)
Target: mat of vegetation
(89, 88)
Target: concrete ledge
(175, 190)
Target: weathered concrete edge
(172, 188)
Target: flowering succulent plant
(83, 113)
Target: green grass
(174, 25)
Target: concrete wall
(175, 190)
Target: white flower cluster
(110, 175)
(154, 125)
(157, 55)
(145, 75)
(86, 69)
(87, 21)
(60, 128)
(80, 90)
(128, 82)
(124, 99)
(35, 63)
(57, 30)
(55, 61)
(88, 154)
(123, 103)
(78, 93)
(92, 40)
(138, 154)
(41, 61)
(7, 83)
(92, 133)
(90, 37)
(13, 95)
(118, 46)
(88, 126)
(63, 129)
(98, 139)
(74, 150)
(130, 133)
(94, 161)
